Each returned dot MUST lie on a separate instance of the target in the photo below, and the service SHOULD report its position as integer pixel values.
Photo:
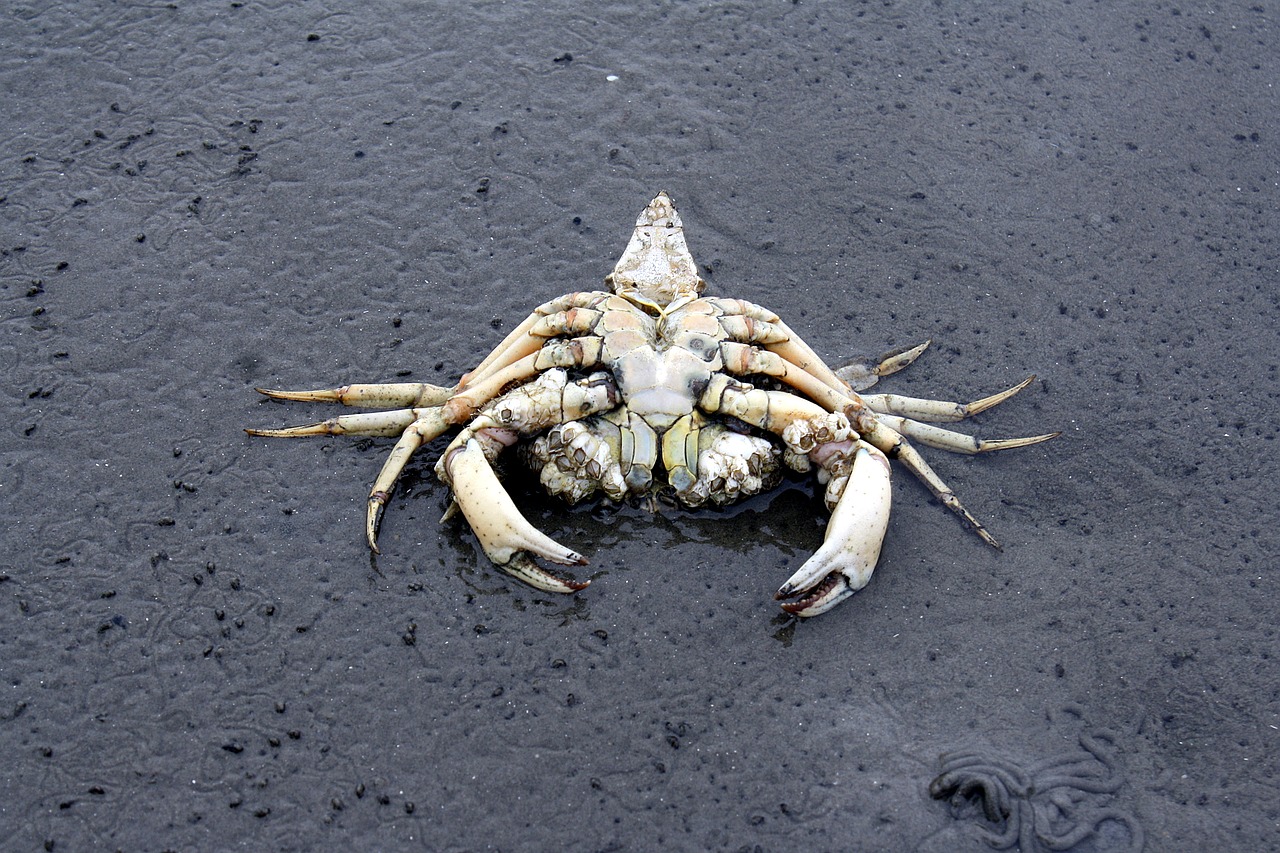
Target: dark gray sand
(198, 652)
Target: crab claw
(507, 538)
(844, 563)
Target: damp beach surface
(198, 650)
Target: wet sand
(198, 651)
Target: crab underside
(650, 387)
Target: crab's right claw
(508, 539)
(844, 563)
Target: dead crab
(651, 387)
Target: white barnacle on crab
(651, 386)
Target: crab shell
(651, 387)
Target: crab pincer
(851, 547)
(506, 536)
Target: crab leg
(772, 411)
(747, 322)
(514, 347)
(896, 447)
(505, 535)
(938, 411)
(418, 426)
(410, 400)
(956, 442)
(862, 373)
(744, 360)
(432, 424)
(799, 353)
(570, 352)
(365, 423)
(782, 341)
(387, 395)
(851, 546)
(527, 338)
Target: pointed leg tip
(979, 406)
(284, 432)
(325, 395)
(1022, 385)
(274, 393)
(894, 361)
(371, 535)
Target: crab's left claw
(844, 563)
(508, 539)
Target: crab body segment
(650, 387)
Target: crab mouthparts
(657, 265)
